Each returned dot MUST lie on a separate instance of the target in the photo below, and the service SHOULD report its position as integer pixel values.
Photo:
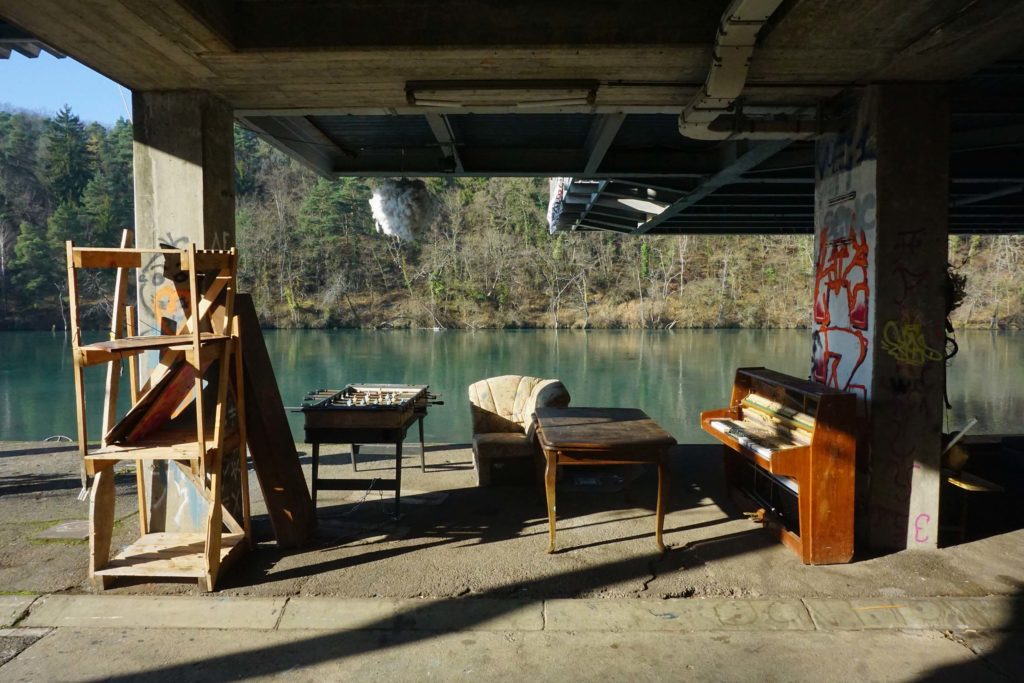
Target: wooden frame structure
(158, 425)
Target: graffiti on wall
(842, 290)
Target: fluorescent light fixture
(447, 104)
(508, 94)
(565, 102)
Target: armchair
(505, 449)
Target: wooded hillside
(311, 257)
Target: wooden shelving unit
(172, 417)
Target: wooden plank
(117, 329)
(101, 520)
(166, 554)
(90, 257)
(153, 342)
(157, 405)
(133, 386)
(239, 385)
(269, 437)
(213, 259)
(76, 340)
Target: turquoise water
(672, 375)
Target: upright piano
(791, 458)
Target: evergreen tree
(33, 263)
(67, 163)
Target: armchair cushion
(502, 409)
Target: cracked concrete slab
(152, 656)
(939, 614)
(126, 611)
(412, 615)
(676, 615)
(13, 607)
(13, 641)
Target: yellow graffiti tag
(906, 344)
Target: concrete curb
(467, 614)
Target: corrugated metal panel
(654, 131)
(360, 132)
(551, 131)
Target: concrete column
(184, 192)
(184, 186)
(881, 226)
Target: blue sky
(46, 84)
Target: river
(672, 375)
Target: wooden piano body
(791, 452)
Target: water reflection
(672, 375)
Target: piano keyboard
(758, 437)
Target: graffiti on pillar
(906, 344)
(842, 293)
(163, 289)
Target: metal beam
(995, 194)
(442, 130)
(598, 189)
(751, 158)
(600, 137)
(292, 135)
(987, 138)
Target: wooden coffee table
(602, 436)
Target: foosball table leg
(316, 469)
(423, 457)
(398, 477)
(355, 452)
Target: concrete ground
(460, 586)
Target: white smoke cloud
(402, 208)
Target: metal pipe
(712, 113)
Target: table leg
(662, 500)
(398, 477)
(316, 468)
(423, 457)
(549, 489)
(355, 452)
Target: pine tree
(33, 263)
(67, 162)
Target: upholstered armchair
(505, 449)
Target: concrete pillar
(184, 192)
(881, 226)
(184, 186)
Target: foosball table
(363, 414)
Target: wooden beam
(270, 439)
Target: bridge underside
(573, 89)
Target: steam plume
(402, 208)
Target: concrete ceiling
(569, 88)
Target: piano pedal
(757, 517)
